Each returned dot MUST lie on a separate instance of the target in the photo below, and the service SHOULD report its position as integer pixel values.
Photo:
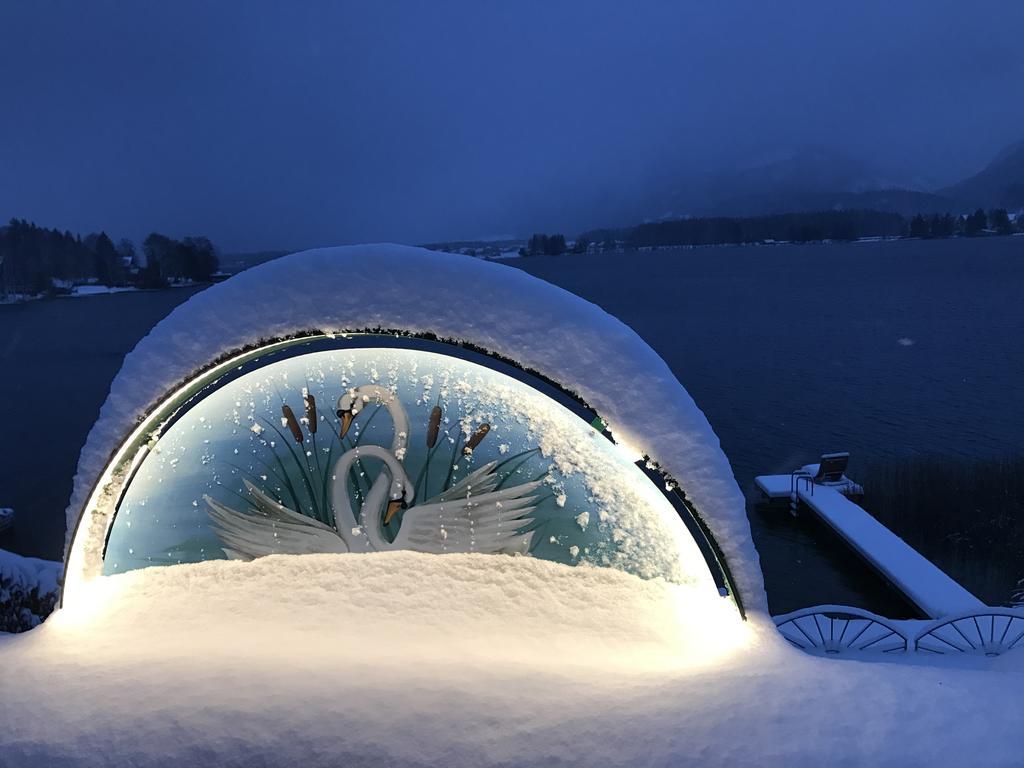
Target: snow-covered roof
(492, 306)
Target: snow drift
(406, 659)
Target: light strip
(85, 558)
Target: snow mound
(405, 659)
(382, 607)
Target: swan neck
(399, 417)
(370, 514)
(344, 517)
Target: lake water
(882, 349)
(58, 357)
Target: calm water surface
(883, 349)
(58, 357)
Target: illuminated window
(368, 448)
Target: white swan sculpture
(468, 517)
(351, 403)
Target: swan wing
(489, 522)
(269, 528)
(480, 481)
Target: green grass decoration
(304, 474)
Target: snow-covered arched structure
(321, 296)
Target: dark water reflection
(58, 357)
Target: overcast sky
(284, 125)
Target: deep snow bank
(406, 607)
(405, 659)
(495, 307)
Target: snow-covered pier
(916, 577)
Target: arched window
(375, 442)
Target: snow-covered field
(406, 659)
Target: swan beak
(346, 421)
(393, 507)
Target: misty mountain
(905, 202)
(807, 171)
(814, 179)
(819, 179)
(999, 185)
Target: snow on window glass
(364, 450)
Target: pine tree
(919, 226)
(975, 223)
(999, 220)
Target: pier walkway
(920, 580)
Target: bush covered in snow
(28, 591)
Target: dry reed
(292, 423)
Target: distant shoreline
(87, 290)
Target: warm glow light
(84, 557)
(92, 600)
(637, 529)
(724, 632)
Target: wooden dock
(916, 577)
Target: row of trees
(553, 245)
(192, 258)
(996, 221)
(35, 260)
(799, 227)
(794, 227)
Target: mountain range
(821, 179)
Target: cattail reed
(479, 435)
(310, 412)
(289, 420)
(433, 426)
